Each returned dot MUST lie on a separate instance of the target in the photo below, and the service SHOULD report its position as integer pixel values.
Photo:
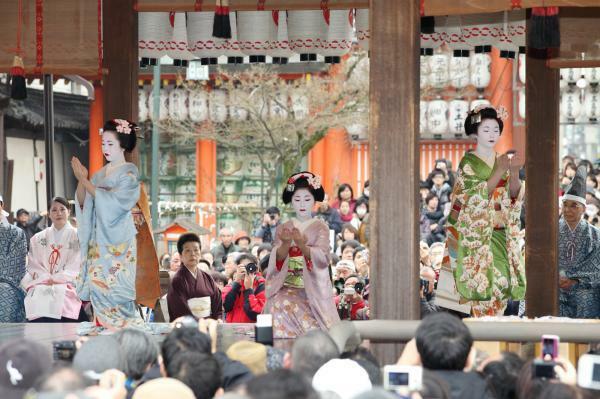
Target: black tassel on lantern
(18, 87)
(221, 23)
(545, 29)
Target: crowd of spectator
(193, 362)
(568, 169)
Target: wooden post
(394, 124)
(3, 159)
(120, 37)
(541, 250)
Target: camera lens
(272, 217)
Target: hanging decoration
(571, 75)
(570, 105)
(522, 104)
(363, 33)
(423, 105)
(217, 106)
(522, 67)
(591, 103)
(425, 70)
(481, 70)
(278, 106)
(591, 75)
(439, 67)
(221, 22)
(163, 113)
(544, 30)
(338, 38)
(306, 31)
(18, 85)
(200, 39)
(457, 113)
(177, 47)
(459, 72)
(450, 30)
(481, 30)
(281, 50)
(300, 105)
(143, 105)
(178, 104)
(257, 33)
(233, 49)
(155, 31)
(198, 106)
(430, 42)
(437, 116)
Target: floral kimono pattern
(107, 236)
(483, 240)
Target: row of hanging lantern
(179, 104)
(440, 118)
(580, 95)
(256, 34)
(442, 70)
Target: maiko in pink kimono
(299, 291)
(54, 263)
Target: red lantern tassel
(221, 23)
(545, 29)
(18, 89)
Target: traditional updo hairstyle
(125, 131)
(305, 180)
(476, 116)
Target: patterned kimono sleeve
(587, 270)
(113, 204)
(511, 215)
(319, 252)
(12, 267)
(470, 228)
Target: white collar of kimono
(65, 227)
(302, 225)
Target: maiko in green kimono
(484, 226)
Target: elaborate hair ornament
(314, 181)
(122, 126)
(502, 113)
(476, 113)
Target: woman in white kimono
(54, 263)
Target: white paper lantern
(571, 75)
(437, 116)
(481, 73)
(217, 106)
(459, 72)
(281, 47)
(570, 105)
(154, 33)
(522, 66)
(178, 104)
(449, 28)
(198, 106)
(481, 29)
(591, 103)
(257, 32)
(338, 38)
(425, 70)
(522, 103)
(163, 113)
(439, 66)
(278, 106)
(236, 112)
(143, 105)
(479, 101)
(592, 75)
(363, 33)
(300, 105)
(457, 113)
(178, 45)
(423, 116)
(200, 39)
(307, 30)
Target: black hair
(589, 167)
(357, 251)
(273, 210)
(264, 247)
(429, 197)
(21, 212)
(298, 181)
(444, 342)
(424, 184)
(218, 277)
(501, 382)
(367, 184)
(281, 383)
(474, 119)
(60, 200)
(560, 390)
(207, 263)
(435, 172)
(185, 339)
(187, 237)
(349, 243)
(127, 141)
(361, 201)
(341, 188)
(246, 256)
(201, 372)
(140, 351)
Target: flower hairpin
(502, 113)
(123, 126)
(315, 182)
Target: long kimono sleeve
(470, 228)
(36, 272)
(177, 299)
(587, 269)
(12, 267)
(319, 250)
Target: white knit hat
(346, 264)
(343, 377)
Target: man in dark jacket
(245, 297)
(28, 225)
(445, 346)
(329, 215)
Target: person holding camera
(350, 301)
(266, 231)
(244, 298)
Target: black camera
(63, 350)
(339, 285)
(425, 285)
(359, 287)
(543, 369)
(272, 216)
(251, 268)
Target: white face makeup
(488, 134)
(303, 203)
(111, 148)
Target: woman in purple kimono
(299, 291)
